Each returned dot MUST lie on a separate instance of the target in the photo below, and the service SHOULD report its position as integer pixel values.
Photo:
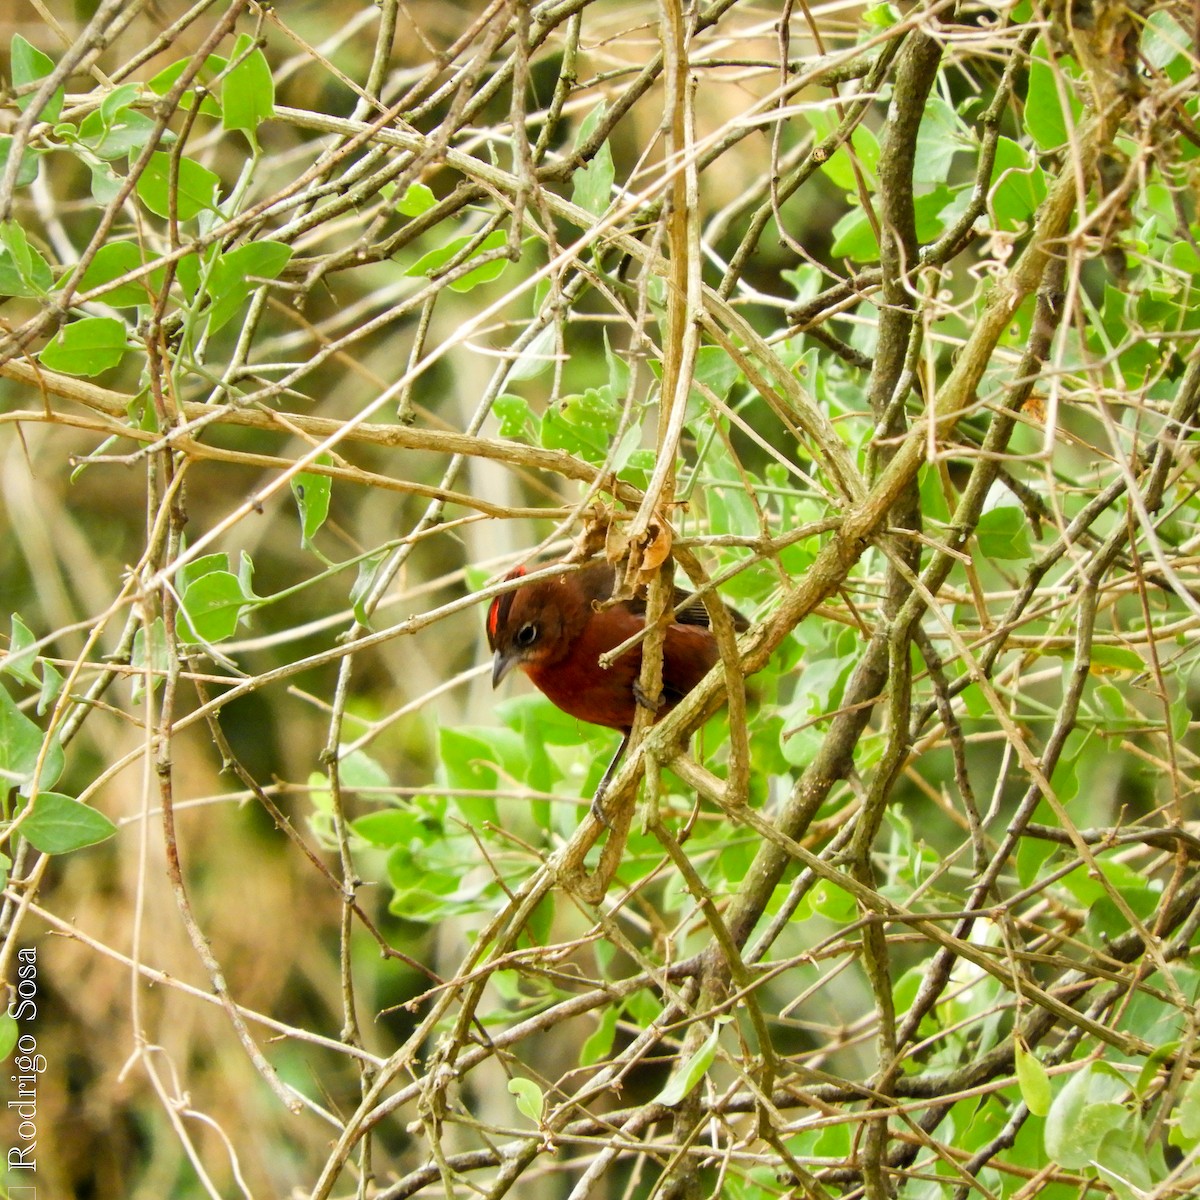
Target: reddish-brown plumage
(555, 633)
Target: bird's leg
(605, 780)
(598, 800)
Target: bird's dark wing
(689, 609)
(600, 579)
(693, 611)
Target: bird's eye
(527, 634)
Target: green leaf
(1112, 660)
(23, 271)
(906, 989)
(22, 652)
(1181, 716)
(627, 447)
(127, 132)
(9, 1029)
(1045, 121)
(470, 763)
(416, 200)
(535, 359)
(833, 902)
(592, 185)
(530, 1101)
(1162, 1055)
(149, 650)
(582, 424)
(1032, 1079)
(188, 272)
(487, 271)
(882, 16)
(730, 508)
(59, 824)
(638, 467)
(839, 167)
(196, 190)
(1082, 1113)
(364, 581)
(106, 183)
(599, 1042)
(312, 491)
(245, 574)
(1004, 533)
(389, 827)
(473, 758)
(685, 1077)
(1123, 1162)
(16, 242)
(113, 260)
(854, 238)
(941, 136)
(1032, 857)
(1164, 41)
(1187, 1115)
(212, 607)
(714, 368)
(20, 661)
(929, 211)
(30, 161)
(358, 771)
(532, 711)
(166, 79)
(52, 683)
(117, 101)
(248, 91)
(29, 65)
(516, 418)
(1019, 186)
(431, 264)
(236, 274)
(431, 896)
(88, 346)
(199, 567)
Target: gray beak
(501, 665)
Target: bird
(555, 630)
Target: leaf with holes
(312, 492)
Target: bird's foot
(652, 703)
(597, 809)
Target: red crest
(500, 606)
